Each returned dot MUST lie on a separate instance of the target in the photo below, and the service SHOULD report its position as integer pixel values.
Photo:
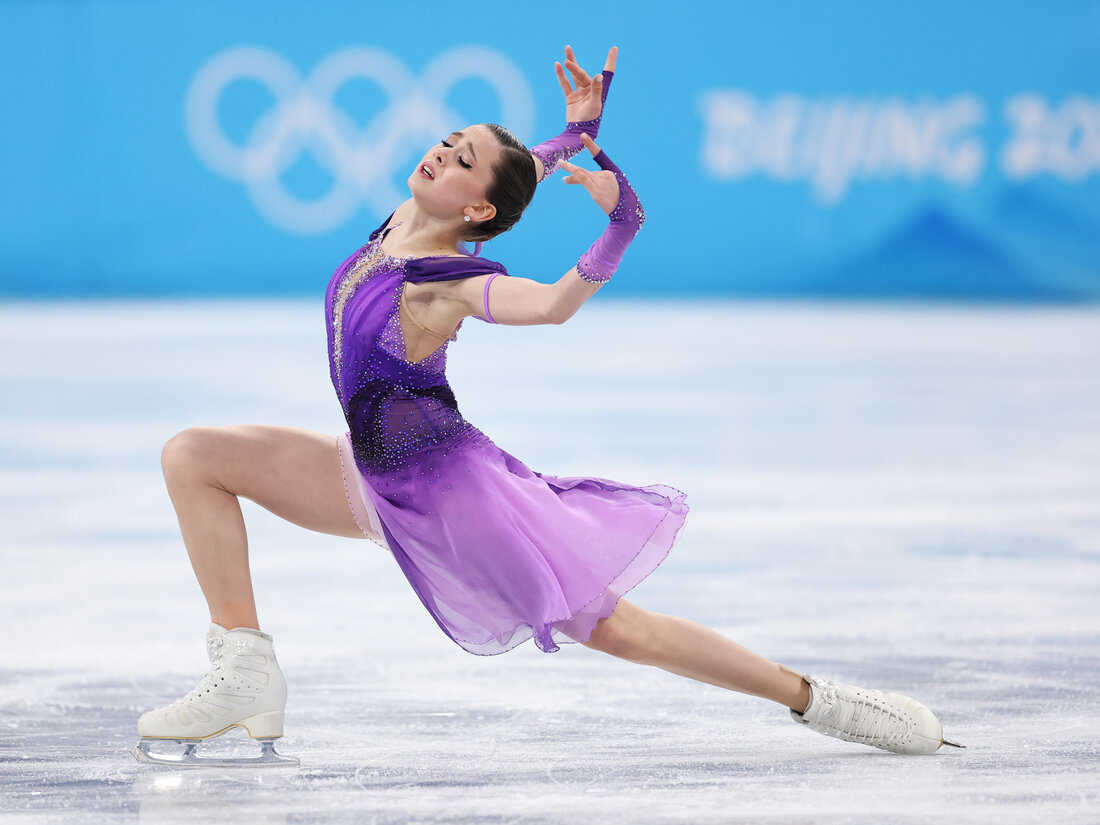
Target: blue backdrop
(941, 149)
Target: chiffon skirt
(355, 488)
(508, 554)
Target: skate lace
(214, 646)
(865, 719)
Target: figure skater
(497, 553)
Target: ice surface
(907, 498)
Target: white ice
(907, 498)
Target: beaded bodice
(394, 407)
(368, 262)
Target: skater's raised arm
(583, 111)
(521, 301)
(613, 193)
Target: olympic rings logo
(361, 161)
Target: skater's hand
(613, 193)
(585, 102)
(602, 185)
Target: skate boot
(871, 717)
(244, 688)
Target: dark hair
(512, 188)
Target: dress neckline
(382, 239)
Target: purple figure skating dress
(496, 552)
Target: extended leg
(294, 473)
(689, 649)
(871, 717)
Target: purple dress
(496, 552)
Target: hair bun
(512, 188)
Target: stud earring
(466, 218)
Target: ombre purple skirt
(547, 562)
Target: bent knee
(183, 453)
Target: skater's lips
(426, 171)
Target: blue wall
(940, 149)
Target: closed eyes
(461, 162)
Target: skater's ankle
(797, 690)
(234, 616)
(229, 627)
(801, 703)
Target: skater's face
(453, 178)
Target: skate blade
(268, 756)
(953, 744)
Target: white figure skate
(244, 688)
(871, 717)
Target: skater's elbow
(560, 314)
(563, 316)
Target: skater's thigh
(292, 472)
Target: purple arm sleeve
(568, 143)
(599, 263)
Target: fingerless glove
(599, 263)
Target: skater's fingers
(562, 81)
(612, 59)
(590, 144)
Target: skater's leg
(292, 472)
(871, 717)
(689, 649)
